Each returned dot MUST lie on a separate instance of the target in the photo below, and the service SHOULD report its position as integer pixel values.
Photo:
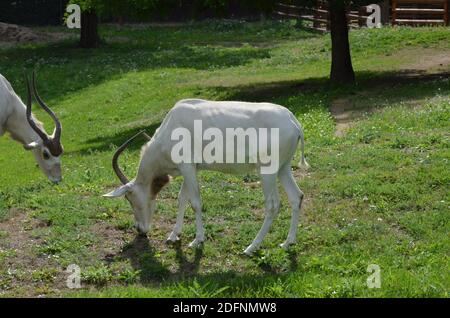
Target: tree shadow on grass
(394, 86)
(365, 80)
(270, 92)
(399, 77)
(107, 143)
(63, 68)
(386, 84)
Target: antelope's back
(231, 114)
(6, 97)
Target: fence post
(316, 15)
(394, 12)
(361, 12)
(385, 12)
(446, 13)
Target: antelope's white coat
(156, 163)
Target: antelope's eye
(46, 155)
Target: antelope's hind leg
(295, 196)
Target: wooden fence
(319, 15)
(403, 12)
(420, 12)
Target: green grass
(378, 195)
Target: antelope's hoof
(249, 251)
(173, 238)
(197, 243)
(286, 244)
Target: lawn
(378, 194)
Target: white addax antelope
(17, 119)
(157, 163)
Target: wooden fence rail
(420, 12)
(319, 15)
(403, 12)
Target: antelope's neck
(17, 125)
(149, 167)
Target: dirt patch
(12, 33)
(429, 63)
(16, 33)
(114, 239)
(21, 269)
(345, 114)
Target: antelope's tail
(302, 163)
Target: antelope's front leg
(190, 180)
(182, 203)
(269, 183)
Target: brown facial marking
(55, 148)
(159, 183)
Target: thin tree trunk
(89, 37)
(341, 63)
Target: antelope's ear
(33, 145)
(119, 191)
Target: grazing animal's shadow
(293, 262)
(145, 259)
(186, 266)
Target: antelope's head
(47, 149)
(140, 196)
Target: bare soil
(16, 33)
(345, 114)
(345, 111)
(17, 269)
(11, 34)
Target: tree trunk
(341, 62)
(89, 30)
(384, 12)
